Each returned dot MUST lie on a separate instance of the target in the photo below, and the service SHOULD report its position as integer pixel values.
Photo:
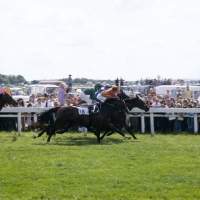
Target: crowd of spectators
(178, 124)
(163, 124)
(159, 81)
(62, 98)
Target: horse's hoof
(35, 136)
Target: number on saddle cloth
(83, 110)
(92, 109)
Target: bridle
(143, 102)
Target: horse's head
(7, 99)
(136, 102)
(10, 100)
(141, 104)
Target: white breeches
(100, 97)
(85, 98)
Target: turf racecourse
(76, 167)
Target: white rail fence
(22, 112)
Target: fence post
(142, 123)
(195, 123)
(19, 123)
(152, 124)
(35, 120)
(85, 131)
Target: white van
(162, 90)
(42, 89)
(16, 91)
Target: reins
(114, 105)
(143, 101)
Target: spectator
(178, 93)
(188, 93)
(190, 120)
(75, 101)
(185, 103)
(157, 120)
(39, 103)
(56, 104)
(66, 98)
(117, 82)
(69, 83)
(68, 103)
(47, 102)
(153, 92)
(52, 98)
(179, 119)
(167, 95)
(29, 119)
(61, 94)
(31, 100)
(171, 119)
(121, 82)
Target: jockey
(99, 90)
(91, 93)
(109, 93)
(107, 86)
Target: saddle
(88, 109)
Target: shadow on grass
(77, 140)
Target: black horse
(68, 116)
(45, 119)
(119, 118)
(6, 99)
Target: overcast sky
(100, 39)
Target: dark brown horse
(68, 116)
(119, 118)
(6, 99)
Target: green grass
(76, 167)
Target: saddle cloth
(92, 109)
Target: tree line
(14, 80)
(11, 79)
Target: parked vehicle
(136, 89)
(16, 91)
(161, 90)
(39, 90)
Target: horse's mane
(122, 95)
(110, 100)
(131, 100)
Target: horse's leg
(128, 129)
(42, 132)
(105, 133)
(113, 128)
(53, 128)
(52, 132)
(98, 133)
(69, 125)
